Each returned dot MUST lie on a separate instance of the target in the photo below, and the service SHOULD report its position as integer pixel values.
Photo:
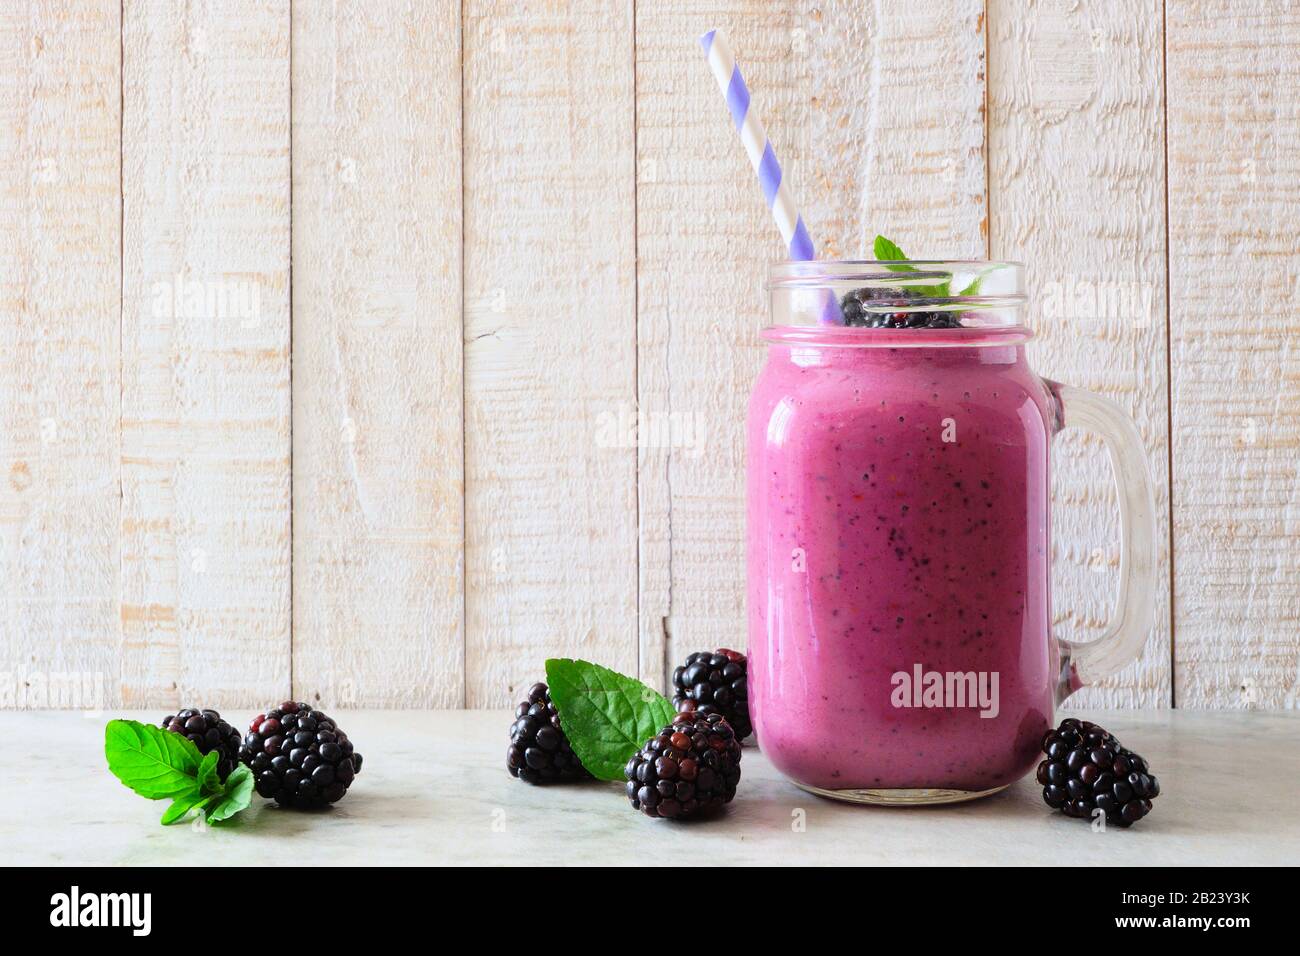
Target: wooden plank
(550, 340)
(1076, 191)
(60, 97)
(205, 353)
(877, 117)
(1234, 200)
(378, 502)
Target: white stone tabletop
(434, 790)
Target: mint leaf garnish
(159, 764)
(606, 715)
(181, 806)
(887, 251)
(208, 780)
(237, 795)
(153, 762)
(973, 288)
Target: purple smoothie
(898, 525)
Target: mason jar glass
(899, 524)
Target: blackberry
(1087, 769)
(715, 683)
(855, 311)
(539, 752)
(689, 768)
(208, 732)
(299, 756)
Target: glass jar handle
(1084, 664)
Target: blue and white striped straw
(762, 156)
(757, 145)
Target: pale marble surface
(435, 790)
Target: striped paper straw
(762, 157)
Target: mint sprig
(154, 763)
(207, 775)
(237, 794)
(887, 251)
(161, 765)
(606, 715)
(973, 287)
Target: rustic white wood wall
(325, 327)
(1077, 191)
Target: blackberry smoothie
(898, 527)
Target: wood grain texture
(1234, 201)
(377, 355)
(549, 460)
(205, 353)
(550, 340)
(1076, 191)
(876, 113)
(59, 302)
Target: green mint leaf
(237, 795)
(159, 764)
(153, 762)
(606, 715)
(209, 782)
(974, 287)
(181, 806)
(940, 291)
(887, 251)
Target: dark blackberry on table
(715, 682)
(689, 769)
(208, 732)
(857, 314)
(299, 756)
(1087, 770)
(539, 752)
